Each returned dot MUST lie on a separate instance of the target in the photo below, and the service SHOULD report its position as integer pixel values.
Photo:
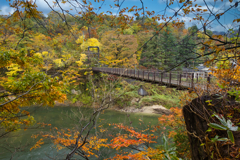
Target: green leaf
(223, 139)
(221, 86)
(165, 143)
(209, 129)
(230, 136)
(229, 123)
(217, 126)
(174, 158)
(214, 139)
(202, 144)
(230, 126)
(222, 120)
(234, 128)
(212, 154)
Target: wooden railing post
(143, 74)
(148, 75)
(180, 79)
(192, 79)
(161, 77)
(154, 76)
(138, 74)
(170, 76)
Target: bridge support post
(208, 82)
(208, 79)
(197, 77)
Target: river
(17, 144)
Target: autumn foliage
(42, 59)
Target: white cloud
(44, 6)
(161, 1)
(226, 27)
(6, 10)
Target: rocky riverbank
(155, 109)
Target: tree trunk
(197, 115)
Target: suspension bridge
(180, 80)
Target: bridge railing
(183, 79)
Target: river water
(17, 144)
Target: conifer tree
(161, 51)
(150, 57)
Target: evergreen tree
(160, 52)
(150, 56)
(186, 48)
(168, 43)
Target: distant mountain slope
(218, 33)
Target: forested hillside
(47, 57)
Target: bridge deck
(180, 80)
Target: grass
(167, 101)
(157, 95)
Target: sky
(158, 6)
